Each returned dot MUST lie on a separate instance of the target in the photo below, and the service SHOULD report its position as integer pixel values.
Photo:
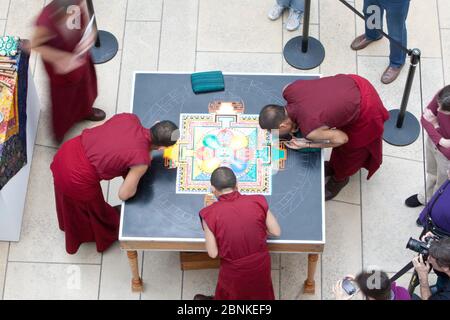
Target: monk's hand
(297, 143)
(445, 142)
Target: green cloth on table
(210, 81)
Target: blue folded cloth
(210, 81)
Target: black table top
(157, 213)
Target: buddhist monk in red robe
(343, 112)
(236, 228)
(65, 53)
(119, 147)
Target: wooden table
(158, 218)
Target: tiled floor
(366, 225)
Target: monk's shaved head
(164, 134)
(271, 116)
(223, 178)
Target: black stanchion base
(304, 60)
(107, 50)
(405, 135)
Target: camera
(421, 247)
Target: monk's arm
(129, 186)
(211, 244)
(336, 137)
(273, 228)
(40, 37)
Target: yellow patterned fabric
(9, 109)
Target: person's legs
(441, 172)
(297, 5)
(277, 10)
(296, 9)
(431, 171)
(396, 14)
(371, 26)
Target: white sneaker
(275, 12)
(293, 21)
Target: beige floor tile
(20, 22)
(352, 192)
(140, 54)
(342, 254)
(199, 282)
(4, 6)
(144, 10)
(387, 222)
(111, 17)
(337, 31)
(314, 32)
(162, 276)
(41, 281)
(276, 283)
(4, 247)
(294, 271)
(276, 260)
(444, 13)
(205, 281)
(432, 78)
(371, 68)
(115, 281)
(239, 62)
(445, 34)
(228, 27)
(2, 27)
(41, 240)
(423, 24)
(108, 75)
(178, 30)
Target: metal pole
(90, 6)
(306, 26)
(415, 58)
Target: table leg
(310, 284)
(136, 281)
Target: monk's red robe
(72, 94)
(348, 103)
(101, 153)
(238, 223)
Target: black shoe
(333, 187)
(203, 297)
(413, 202)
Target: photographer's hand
(427, 235)
(422, 268)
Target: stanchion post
(415, 58)
(403, 128)
(306, 17)
(106, 45)
(304, 52)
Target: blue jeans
(396, 14)
(297, 5)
